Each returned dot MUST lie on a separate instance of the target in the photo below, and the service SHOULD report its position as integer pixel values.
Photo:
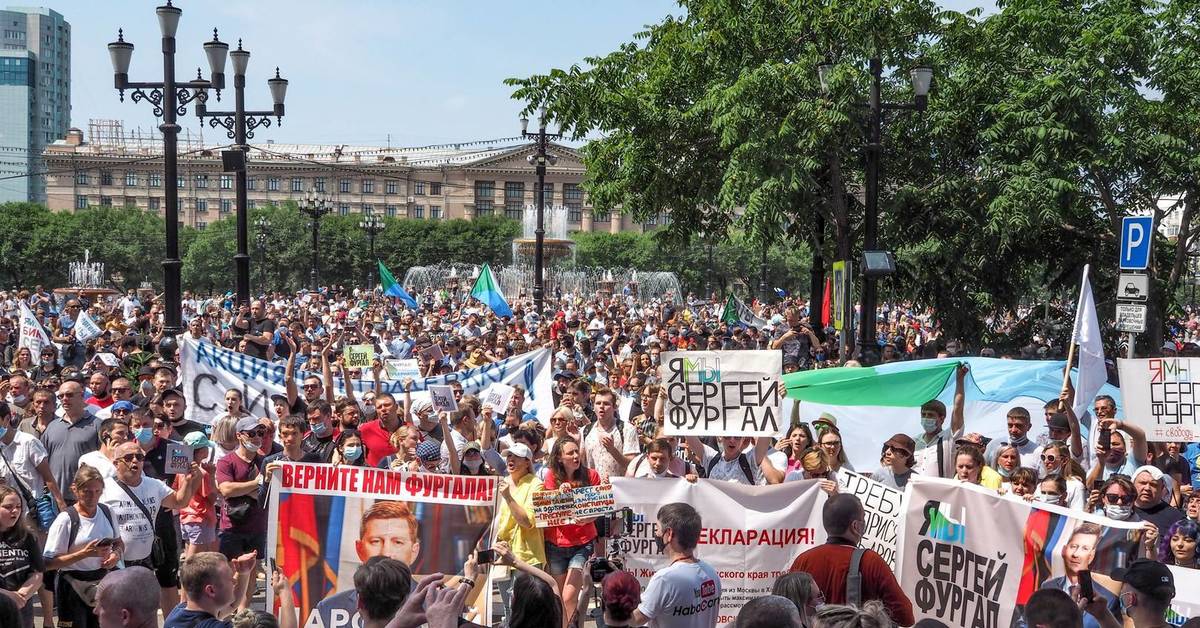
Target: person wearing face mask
(1051, 490)
(1147, 588)
(1019, 424)
(935, 444)
(19, 397)
(350, 450)
(829, 564)
(686, 582)
(243, 524)
(321, 435)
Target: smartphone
(485, 557)
(274, 567)
(1097, 484)
(1086, 592)
(105, 542)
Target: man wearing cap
(243, 525)
(1147, 588)
(1149, 502)
(429, 457)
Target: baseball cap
(247, 424)
(1155, 473)
(123, 406)
(1148, 576)
(429, 451)
(197, 440)
(471, 446)
(170, 392)
(520, 450)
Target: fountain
(85, 278)
(556, 246)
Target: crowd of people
(89, 513)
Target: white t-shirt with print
(600, 458)
(683, 595)
(24, 455)
(137, 533)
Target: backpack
(73, 515)
(854, 578)
(743, 462)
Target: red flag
(299, 551)
(825, 320)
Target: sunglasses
(257, 432)
(307, 386)
(131, 458)
(62, 396)
(832, 443)
(1113, 498)
(897, 450)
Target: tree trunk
(817, 277)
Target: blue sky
(423, 71)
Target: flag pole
(1074, 335)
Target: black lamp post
(373, 225)
(539, 159)
(169, 100)
(262, 226)
(921, 77)
(315, 205)
(239, 125)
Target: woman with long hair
(349, 449)
(568, 547)
(94, 552)
(968, 464)
(23, 361)
(21, 565)
(1008, 459)
(799, 438)
(534, 604)
(1056, 459)
(830, 442)
(802, 590)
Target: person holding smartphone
(83, 544)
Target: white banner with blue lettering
(207, 371)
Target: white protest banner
(972, 558)
(497, 397)
(33, 337)
(207, 371)
(432, 353)
(750, 535)
(399, 369)
(443, 399)
(555, 508)
(883, 507)
(109, 359)
(325, 521)
(85, 327)
(1162, 396)
(179, 458)
(722, 393)
(1187, 595)
(358, 356)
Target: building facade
(490, 178)
(35, 96)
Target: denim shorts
(199, 533)
(561, 559)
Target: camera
(600, 567)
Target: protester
(1150, 501)
(214, 584)
(872, 615)
(768, 611)
(569, 546)
(800, 588)
(829, 564)
(688, 591)
(1147, 588)
(897, 461)
(21, 563)
(198, 520)
(121, 600)
(620, 595)
(1052, 608)
(1178, 546)
(83, 544)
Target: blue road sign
(1136, 237)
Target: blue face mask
(143, 435)
(320, 430)
(352, 452)
(3, 431)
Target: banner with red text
(972, 558)
(327, 520)
(1161, 397)
(751, 534)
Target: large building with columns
(486, 178)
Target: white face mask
(473, 465)
(1117, 511)
(1047, 499)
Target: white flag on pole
(33, 336)
(85, 327)
(1092, 373)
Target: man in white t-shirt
(610, 444)
(733, 463)
(113, 432)
(24, 462)
(686, 593)
(137, 528)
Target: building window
(131, 179)
(344, 209)
(435, 212)
(367, 210)
(201, 205)
(81, 202)
(201, 225)
(548, 191)
(297, 184)
(368, 186)
(106, 201)
(485, 196)
(603, 216)
(273, 184)
(155, 180)
(390, 210)
(573, 199)
(226, 182)
(81, 178)
(226, 206)
(419, 188)
(152, 203)
(514, 199)
(389, 187)
(251, 183)
(251, 205)
(435, 189)
(319, 184)
(201, 181)
(344, 186)
(652, 220)
(130, 201)
(179, 205)
(418, 211)
(105, 177)
(181, 182)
